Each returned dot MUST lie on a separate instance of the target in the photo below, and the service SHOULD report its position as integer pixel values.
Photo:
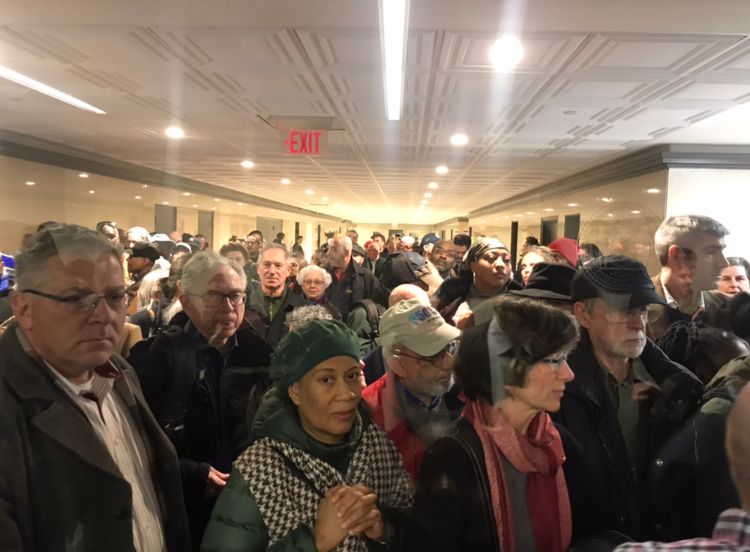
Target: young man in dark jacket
(203, 379)
(626, 398)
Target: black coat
(453, 505)
(605, 494)
(256, 313)
(364, 285)
(186, 408)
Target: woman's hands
(347, 510)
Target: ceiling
(599, 78)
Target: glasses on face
(213, 299)
(555, 362)
(434, 360)
(86, 302)
(316, 283)
(441, 251)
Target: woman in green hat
(320, 475)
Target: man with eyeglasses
(84, 463)
(412, 401)
(626, 398)
(204, 379)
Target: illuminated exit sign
(305, 142)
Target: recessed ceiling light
(635, 212)
(506, 53)
(428, 194)
(30, 183)
(240, 203)
(83, 175)
(213, 208)
(324, 199)
(195, 205)
(572, 205)
(394, 17)
(247, 164)
(144, 186)
(433, 185)
(186, 194)
(459, 139)
(136, 197)
(518, 215)
(653, 191)
(337, 204)
(309, 191)
(548, 210)
(42, 88)
(607, 199)
(610, 215)
(216, 199)
(165, 202)
(441, 169)
(92, 192)
(286, 181)
(529, 212)
(174, 132)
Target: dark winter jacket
(358, 284)
(604, 492)
(256, 313)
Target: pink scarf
(539, 455)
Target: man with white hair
(203, 378)
(351, 283)
(137, 234)
(411, 401)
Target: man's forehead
(273, 256)
(223, 276)
(83, 268)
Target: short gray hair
(205, 263)
(306, 313)
(68, 241)
(309, 268)
(682, 230)
(287, 254)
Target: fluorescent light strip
(42, 88)
(394, 17)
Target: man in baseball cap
(409, 267)
(625, 399)
(414, 402)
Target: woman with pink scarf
(496, 483)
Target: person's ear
(582, 314)
(293, 392)
(675, 255)
(21, 305)
(396, 367)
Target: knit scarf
(288, 483)
(539, 455)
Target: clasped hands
(347, 510)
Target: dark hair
(739, 315)
(462, 240)
(536, 331)
(591, 249)
(377, 235)
(169, 285)
(701, 349)
(229, 247)
(531, 240)
(255, 232)
(739, 261)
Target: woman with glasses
(321, 475)
(496, 483)
(313, 282)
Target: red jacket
(380, 396)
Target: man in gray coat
(84, 465)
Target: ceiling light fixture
(635, 212)
(548, 210)
(83, 175)
(247, 164)
(572, 205)
(42, 88)
(92, 192)
(428, 194)
(186, 194)
(285, 181)
(174, 132)
(136, 197)
(195, 205)
(394, 18)
(433, 185)
(324, 199)
(506, 53)
(459, 139)
(529, 212)
(607, 199)
(309, 191)
(653, 191)
(610, 215)
(165, 202)
(30, 183)
(216, 199)
(441, 169)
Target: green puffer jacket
(237, 523)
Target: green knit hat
(307, 346)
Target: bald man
(732, 530)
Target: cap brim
(633, 300)
(432, 343)
(433, 281)
(540, 294)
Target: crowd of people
(403, 394)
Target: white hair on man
(201, 267)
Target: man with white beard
(626, 398)
(411, 402)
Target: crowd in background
(405, 393)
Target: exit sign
(305, 142)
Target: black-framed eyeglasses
(84, 302)
(556, 363)
(213, 299)
(435, 359)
